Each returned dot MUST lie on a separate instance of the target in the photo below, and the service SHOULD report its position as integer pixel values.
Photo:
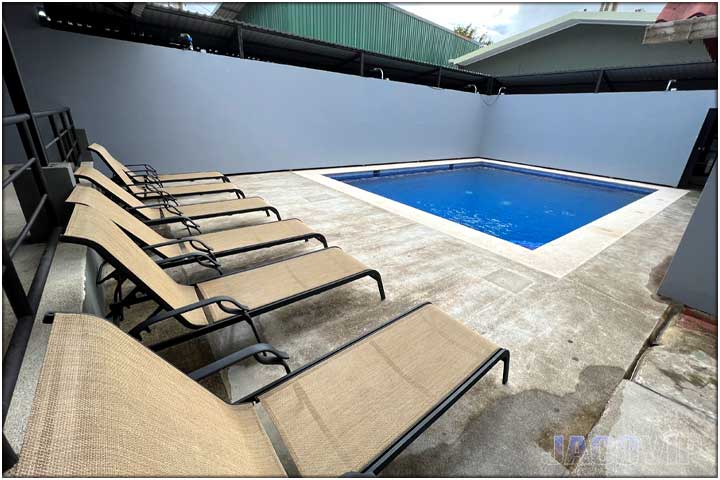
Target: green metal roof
(376, 27)
(554, 26)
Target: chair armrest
(237, 309)
(144, 178)
(145, 166)
(275, 357)
(194, 243)
(201, 258)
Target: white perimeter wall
(186, 111)
(644, 136)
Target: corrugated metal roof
(375, 27)
(161, 25)
(691, 76)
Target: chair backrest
(116, 166)
(106, 406)
(115, 191)
(145, 235)
(88, 228)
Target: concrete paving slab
(632, 268)
(682, 368)
(509, 280)
(643, 434)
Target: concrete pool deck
(575, 340)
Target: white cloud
(500, 20)
(490, 18)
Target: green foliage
(470, 32)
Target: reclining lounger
(213, 304)
(149, 186)
(142, 173)
(107, 406)
(168, 211)
(180, 251)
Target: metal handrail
(64, 135)
(47, 113)
(25, 303)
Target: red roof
(682, 11)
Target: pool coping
(558, 257)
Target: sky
(500, 20)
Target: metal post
(56, 134)
(18, 97)
(241, 46)
(75, 139)
(9, 457)
(38, 174)
(600, 79)
(439, 77)
(362, 64)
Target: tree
(470, 32)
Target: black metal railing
(24, 303)
(42, 222)
(65, 139)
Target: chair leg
(321, 238)
(376, 276)
(254, 329)
(506, 365)
(273, 210)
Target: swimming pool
(526, 207)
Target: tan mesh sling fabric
(253, 288)
(339, 415)
(254, 234)
(113, 164)
(267, 284)
(220, 241)
(188, 177)
(122, 172)
(92, 198)
(209, 209)
(222, 207)
(116, 191)
(202, 188)
(106, 406)
(87, 226)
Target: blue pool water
(518, 205)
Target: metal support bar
(65, 140)
(38, 176)
(56, 134)
(28, 225)
(9, 457)
(18, 96)
(25, 307)
(11, 178)
(599, 82)
(439, 77)
(362, 64)
(241, 45)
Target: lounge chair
(105, 406)
(180, 251)
(168, 211)
(149, 184)
(216, 303)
